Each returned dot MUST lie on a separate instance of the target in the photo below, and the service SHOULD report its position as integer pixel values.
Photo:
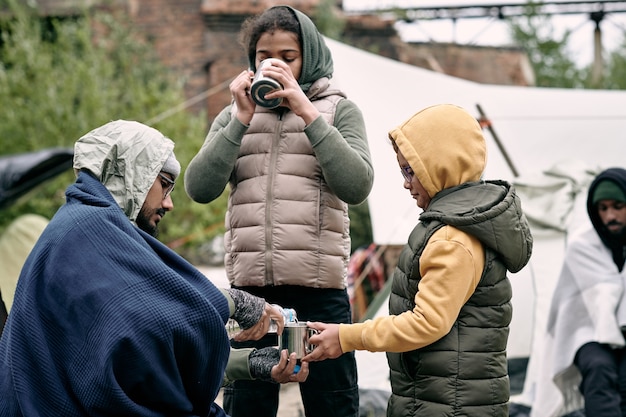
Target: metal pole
(485, 122)
(597, 67)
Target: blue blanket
(108, 321)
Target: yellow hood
(444, 145)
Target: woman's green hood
(317, 60)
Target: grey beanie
(172, 166)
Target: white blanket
(586, 306)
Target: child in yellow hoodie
(450, 303)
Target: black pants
(331, 389)
(604, 379)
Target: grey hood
(126, 156)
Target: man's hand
(327, 345)
(262, 326)
(283, 372)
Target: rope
(186, 104)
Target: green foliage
(60, 78)
(360, 226)
(616, 68)
(552, 61)
(328, 21)
(549, 57)
(63, 77)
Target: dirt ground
(290, 404)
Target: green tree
(65, 76)
(551, 61)
(360, 226)
(328, 20)
(615, 78)
(61, 77)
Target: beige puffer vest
(284, 226)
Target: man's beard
(618, 233)
(143, 221)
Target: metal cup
(295, 338)
(262, 85)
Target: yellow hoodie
(445, 147)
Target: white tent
(572, 133)
(538, 127)
(555, 138)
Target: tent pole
(485, 122)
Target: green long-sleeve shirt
(342, 151)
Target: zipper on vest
(269, 199)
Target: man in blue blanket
(108, 321)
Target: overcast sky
(492, 32)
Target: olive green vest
(465, 372)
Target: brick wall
(198, 40)
(177, 30)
